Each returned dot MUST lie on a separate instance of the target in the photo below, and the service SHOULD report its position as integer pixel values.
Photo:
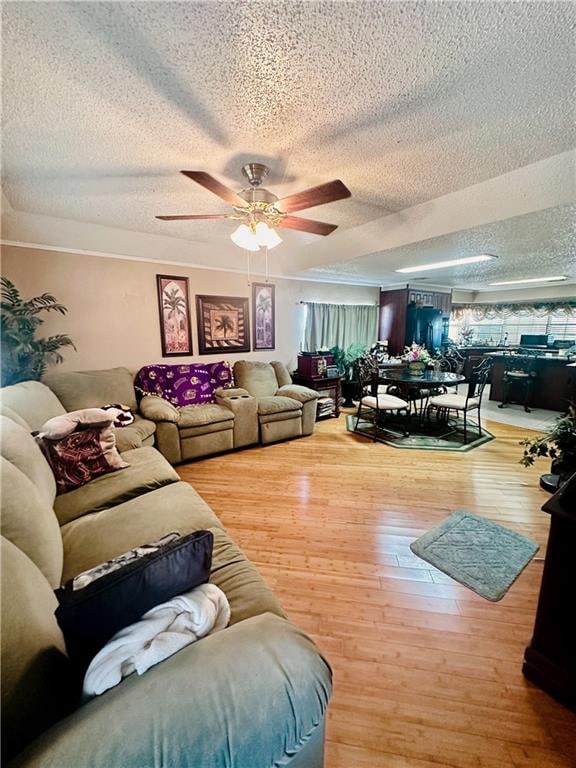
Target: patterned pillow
(82, 456)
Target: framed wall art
(263, 314)
(174, 312)
(223, 324)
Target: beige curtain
(339, 325)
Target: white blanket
(161, 632)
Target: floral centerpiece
(417, 358)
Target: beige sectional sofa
(251, 696)
(264, 407)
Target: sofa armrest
(253, 693)
(245, 410)
(298, 392)
(232, 392)
(158, 409)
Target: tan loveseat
(284, 409)
(251, 696)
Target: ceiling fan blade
(325, 193)
(307, 225)
(195, 216)
(214, 186)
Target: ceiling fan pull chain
(248, 266)
(266, 260)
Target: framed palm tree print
(174, 311)
(263, 310)
(223, 324)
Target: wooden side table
(325, 384)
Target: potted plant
(24, 357)
(417, 358)
(344, 360)
(560, 445)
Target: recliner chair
(285, 409)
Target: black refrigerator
(424, 327)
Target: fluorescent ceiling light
(531, 280)
(450, 263)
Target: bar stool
(518, 378)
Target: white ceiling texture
(451, 123)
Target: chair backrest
(31, 401)
(92, 389)
(479, 378)
(522, 362)
(259, 379)
(365, 373)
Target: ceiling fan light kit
(259, 211)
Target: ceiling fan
(260, 210)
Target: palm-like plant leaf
(24, 356)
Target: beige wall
(113, 310)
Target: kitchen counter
(554, 384)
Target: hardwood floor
(426, 673)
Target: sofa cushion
(240, 581)
(20, 448)
(93, 389)
(134, 435)
(206, 429)
(271, 405)
(200, 415)
(37, 687)
(258, 378)
(148, 470)
(10, 414)
(32, 401)
(100, 536)
(251, 696)
(29, 522)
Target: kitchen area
(535, 370)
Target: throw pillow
(90, 616)
(61, 426)
(80, 446)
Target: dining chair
(374, 404)
(465, 404)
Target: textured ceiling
(545, 240)
(103, 103)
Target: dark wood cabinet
(393, 312)
(393, 306)
(550, 659)
(329, 386)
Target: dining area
(417, 401)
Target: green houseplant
(24, 356)
(343, 360)
(559, 445)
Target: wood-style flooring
(426, 673)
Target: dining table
(417, 387)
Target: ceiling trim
(175, 263)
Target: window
(497, 330)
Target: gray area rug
(484, 556)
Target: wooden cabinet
(550, 660)
(325, 386)
(393, 312)
(435, 299)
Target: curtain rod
(373, 304)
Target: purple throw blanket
(182, 385)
